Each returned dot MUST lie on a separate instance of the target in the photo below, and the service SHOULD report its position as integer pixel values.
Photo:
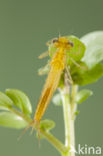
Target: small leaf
(83, 95)
(12, 120)
(5, 101)
(92, 58)
(57, 100)
(20, 100)
(84, 77)
(47, 124)
(77, 112)
(94, 50)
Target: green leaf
(84, 77)
(83, 95)
(94, 50)
(77, 112)
(5, 101)
(12, 120)
(47, 124)
(20, 100)
(57, 99)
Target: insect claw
(69, 76)
(24, 131)
(37, 126)
(32, 130)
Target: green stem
(73, 103)
(53, 140)
(68, 111)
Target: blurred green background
(25, 27)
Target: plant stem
(53, 140)
(73, 103)
(68, 111)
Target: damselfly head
(62, 42)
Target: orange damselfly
(57, 65)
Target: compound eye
(70, 43)
(55, 40)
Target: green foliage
(86, 76)
(94, 48)
(83, 95)
(5, 101)
(47, 124)
(9, 104)
(9, 119)
(76, 113)
(92, 58)
(20, 100)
